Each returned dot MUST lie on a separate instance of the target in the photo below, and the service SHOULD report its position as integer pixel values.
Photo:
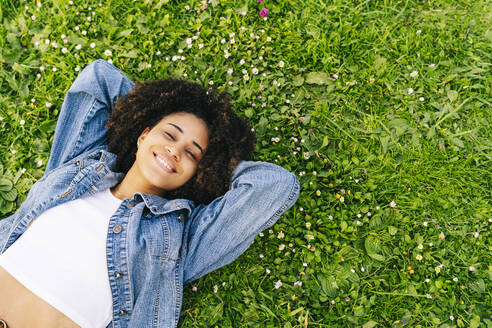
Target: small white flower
(471, 268)
(476, 234)
(38, 75)
(47, 41)
(378, 208)
(362, 269)
(14, 151)
(419, 31)
(335, 76)
(107, 53)
(278, 284)
(410, 91)
(187, 7)
(432, 65)
(22, 122)
(230, 71)
(424, 223)
(359, 215)
(420, 246)
(77, 68)
(261, 256)
(48, 104)
(23, 170)
(36, 43)
(414, 74)
(93, 45)
(84, 32)
(216, 288)
(393, 203)
(189, 40)
(427, 280)
(358, 223)
(255, 71)
(39, 162)
(281, 63)
(451, 318)
(267, 271)
(200, 45)
(158, 53)
(211, 82)
(78, 47)
(455, 279)
(369, 214)
(33, 17)
(261, 234)
(64, 50)
(281, 247)
(421, 98)
(241, 62)
(41, 68)
(180, 51)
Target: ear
(143, 135)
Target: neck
(131, 185)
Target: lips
(165, 163)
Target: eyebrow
(180, 130)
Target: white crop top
(61, 258)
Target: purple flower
(264, 12)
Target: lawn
(381, 108)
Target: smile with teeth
(164, 163)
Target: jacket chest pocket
(164, 236)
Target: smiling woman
(124, 217)
(216, 139)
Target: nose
(172, 152)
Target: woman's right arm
(85, 109)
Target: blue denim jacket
(154, 245)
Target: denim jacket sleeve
(219, 232)
(85, 109)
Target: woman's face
(169, 153)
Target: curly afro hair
(231, 139)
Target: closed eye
(192, 155)
(189, 152)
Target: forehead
(192, 126)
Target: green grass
(363, 132)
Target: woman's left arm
(219, 232)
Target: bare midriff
(20, 308)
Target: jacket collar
(156, 204)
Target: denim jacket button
(181, 217)
(117, 228)
(118, 275)
(122, 312)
